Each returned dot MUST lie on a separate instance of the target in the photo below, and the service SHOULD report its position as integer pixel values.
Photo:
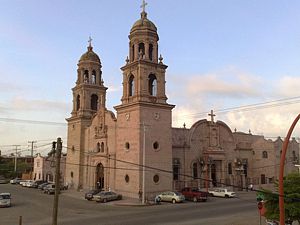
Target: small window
(94, 77)
(141, 50)
(78, 102)
(86, 76)
(127, 146)
(127, 178)
(94, 102)
(102, 146)
(262, 178)
(265, 154)
(195, 171)
(156, 145)
(156, 178)
(131, 86)
(152, 85)
(151, 52)
(98, 147)
(73, 148)
(229, 168)
(72, 174)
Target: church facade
(137, 150)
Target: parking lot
(36, 209)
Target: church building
(137, 150)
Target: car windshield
(4, 196)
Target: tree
(291, 184)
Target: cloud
(37, 104)
(288, 86)
(10, 87)
(229, 83)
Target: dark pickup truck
(193, 194)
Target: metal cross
(143, 6)
(211, 114)
(90, 41)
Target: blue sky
(220, 54)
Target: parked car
(89, 195)
(22, 182)
(29, 183)
(170, 196)
(3, 181)
(15, 180)
(49, 189)
(36, 183)
(42, 185)
(5, 199)
(194, 194)
(221, 192)
(106, 196)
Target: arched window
(294, 156)
(176, 169)
(151, 52)
(152, 85)
(229, 168)
(98, 147)
(94, 102)
(102, 147)
(131, 85)
(141, 50)
(94, 77)
(262, 179)
(86, 76)
(132, 53)
(265, 154)
(78, 102)
(195, 170)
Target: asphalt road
(36, 209)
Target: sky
(221, 56)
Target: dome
(143, 23)
(90, 55)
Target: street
(36, 209)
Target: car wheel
(173, 201)
(195, 199)
(226, 196)
(210, 194)
(104, 200)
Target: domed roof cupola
(90, 55)
(143, 24)
(143, 39)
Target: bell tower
(144, 134)
(89, 96)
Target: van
(5, 199)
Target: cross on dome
(212, 115)
(143, 6)
(90, 41)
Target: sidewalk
(126, 201)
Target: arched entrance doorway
(100, 176)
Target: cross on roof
(90, 41)
(211, 114)
(143, 6)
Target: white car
(5, 200)
(15, 181)
(29, 183)
(221, 192)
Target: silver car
(106, 196)
(170, 196)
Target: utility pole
(16, 157)
(57, 179)
(32, 166)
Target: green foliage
(7, 169)
(291, 185)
